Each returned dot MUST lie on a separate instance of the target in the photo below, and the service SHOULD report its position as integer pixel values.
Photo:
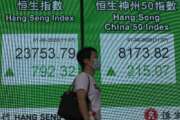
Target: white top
(82, 82)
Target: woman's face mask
(96, 64)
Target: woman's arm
(81, 96)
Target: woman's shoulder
(82, 74)
(81, 81)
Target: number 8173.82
(143, 52)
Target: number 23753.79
(44, 53)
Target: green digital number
(147, 70)
(67, 71)
(43, 71)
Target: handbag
(68, 107)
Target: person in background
(85, 84)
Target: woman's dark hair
(84, 53)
